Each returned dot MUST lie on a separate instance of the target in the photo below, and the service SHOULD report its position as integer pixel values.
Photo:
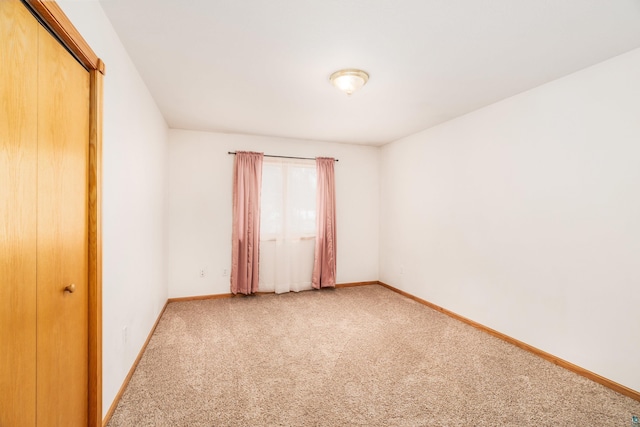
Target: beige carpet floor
(362, 356)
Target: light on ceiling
(349, 80)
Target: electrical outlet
(124, 335)
(225, 272)
(202, 272)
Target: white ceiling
(262, 66)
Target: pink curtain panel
(324, 266)
(247, 181)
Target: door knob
(70, 288)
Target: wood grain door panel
(62, 254)
(18, 172)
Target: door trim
(61, 26)
(55, 19)
(95, 248)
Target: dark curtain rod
(286, 157)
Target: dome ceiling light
(349, 80)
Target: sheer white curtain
(287, 225)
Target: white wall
(200, 188)
(525, 216)
(135, 200)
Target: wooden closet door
(18, 168)
(62, 253)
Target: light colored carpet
(362, 356)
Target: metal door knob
(70, 288)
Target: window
(287, 224)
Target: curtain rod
(285, 157)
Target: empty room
(319, 213)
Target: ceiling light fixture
(349, 80)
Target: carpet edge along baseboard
(229, 295)
(125, 383)
(619, 388)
